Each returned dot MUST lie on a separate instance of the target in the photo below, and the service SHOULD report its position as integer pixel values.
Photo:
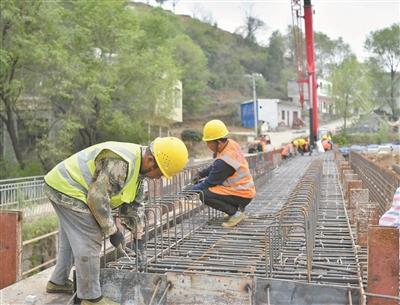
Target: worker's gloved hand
(117, 239)
(187, 187)
(196, 178)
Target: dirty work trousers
(80, 241)
(228, 204)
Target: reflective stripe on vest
(74, 175)
(241, 183)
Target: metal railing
(25, 194)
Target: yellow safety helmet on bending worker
(171, 155)
(213, 130)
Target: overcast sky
(350, 19)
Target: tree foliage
(251, 26)
(351, 88)
(104, 70)
(385, 48)
(29, 43)
(329, 53)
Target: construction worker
(326, 144)
(287, 150)
(301, 146)
(83, 190)
(265, 142)
(228, 186)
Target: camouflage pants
(80, 241)
(133, 218)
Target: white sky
(350, 19)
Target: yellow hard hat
(296, 142)
(325, 137)
(171, 155)
(213, 130)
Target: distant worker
(228, 185)
(301, 146)
(83, 190)
(287, 151)
(307, 147)
(255, 147)
(268, 146)
(326, 144)
(263, 142)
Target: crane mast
(306, 75)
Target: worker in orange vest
(326, 144)
(287, 151)
(228, 185)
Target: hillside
(230, 61)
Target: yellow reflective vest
(73, 176)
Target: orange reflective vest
(287, 149)
(326, 145)
(241, 183)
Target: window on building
(283, 114)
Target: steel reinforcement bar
(381, 183)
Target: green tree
(29, 46)
(193, 64)
(251, 26)
(117, 71)
(351, 88)
(278, 69)
(385, 46)
(329, 53)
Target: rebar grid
(316, 244)
(381, 183)
(198, 242)
(296, 229)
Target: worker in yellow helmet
(326, 142)
(228, 185)
(83, 190)
(301, 146)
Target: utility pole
(255, 104)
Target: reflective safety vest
(326, 145)
(241, 183)
(287, 149)
(73, 176)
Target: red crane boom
(302, 76)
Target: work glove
(196, 178)
(117, 239)
(187, 187)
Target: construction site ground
(212, 250)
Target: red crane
(307, 75)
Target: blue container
(247, 114)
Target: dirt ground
(385, 161)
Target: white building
(271, 111)
(325, 102)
